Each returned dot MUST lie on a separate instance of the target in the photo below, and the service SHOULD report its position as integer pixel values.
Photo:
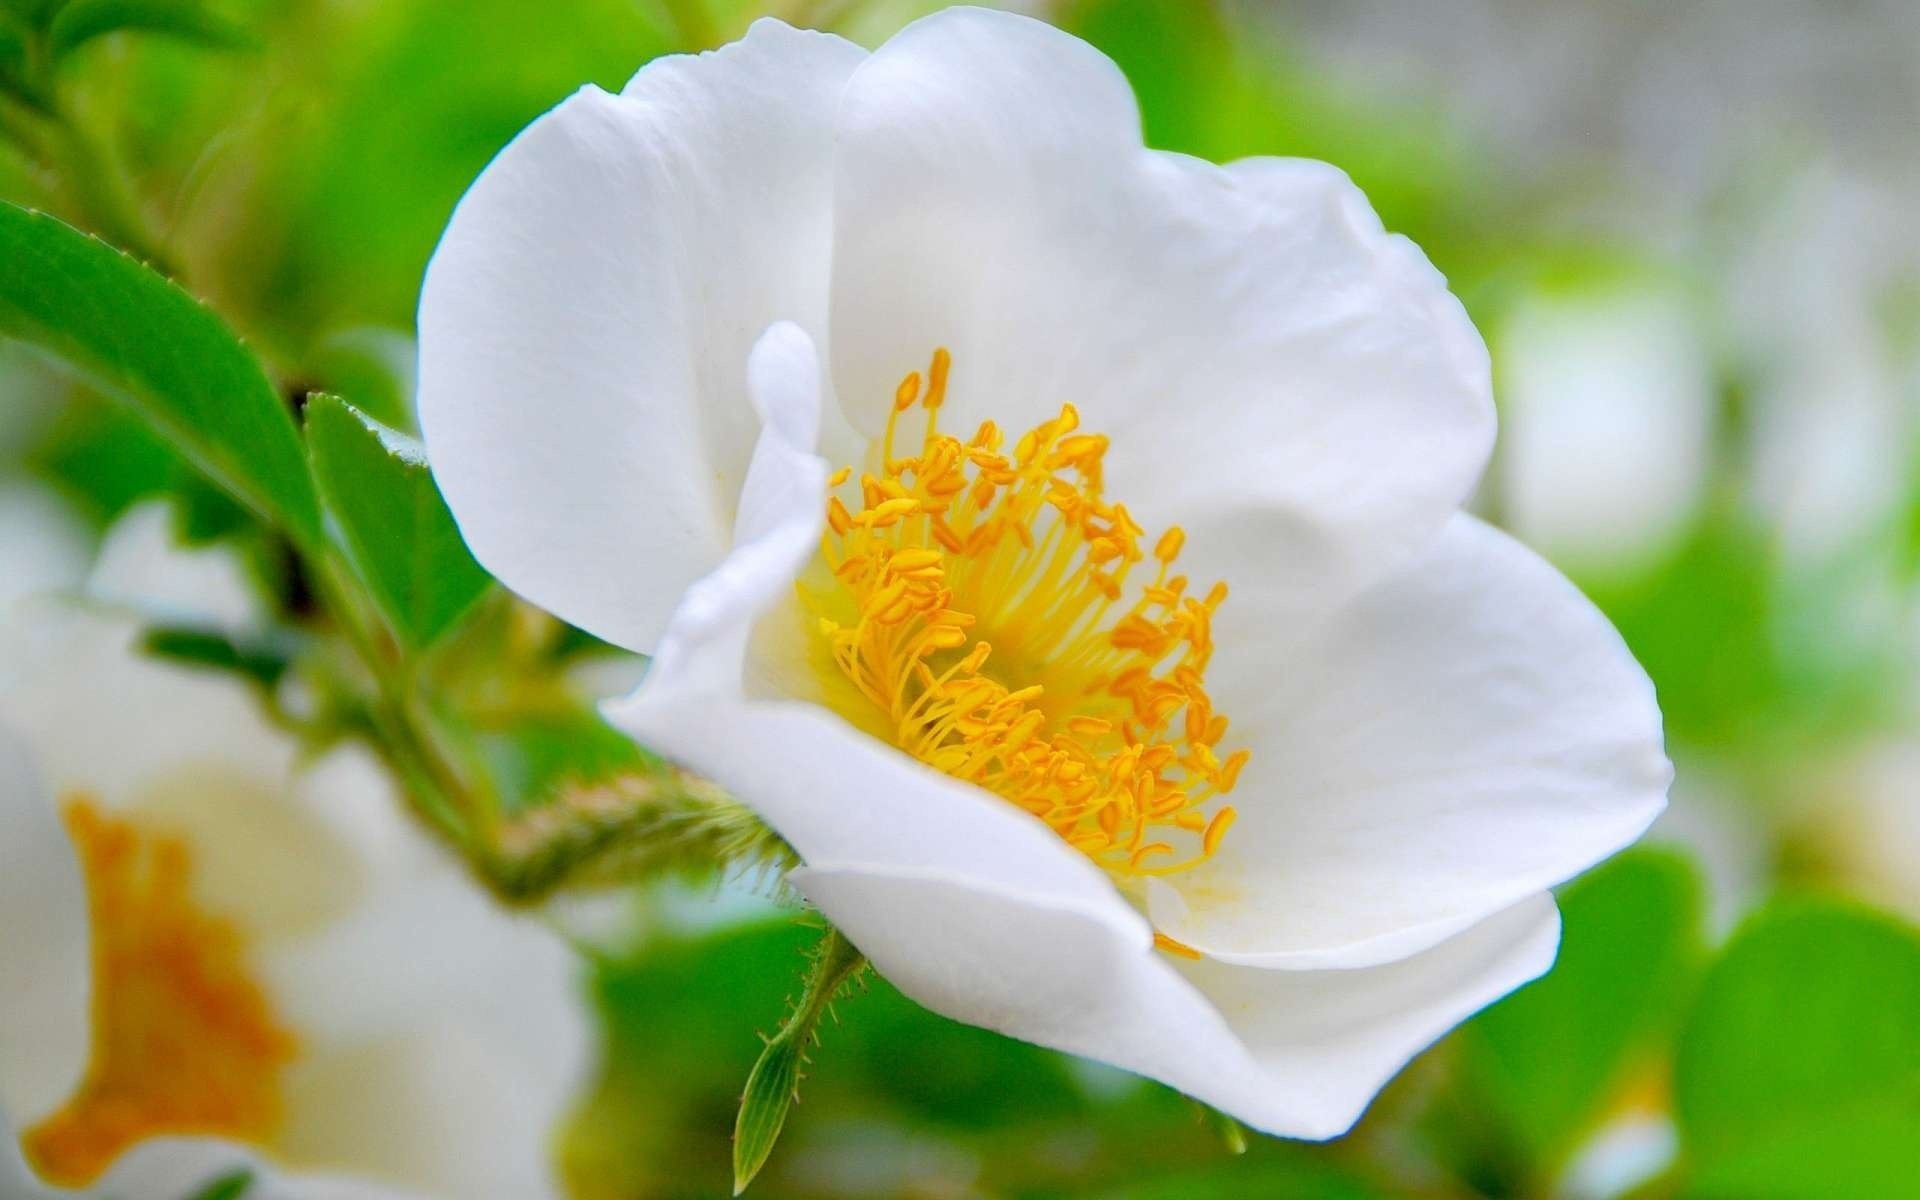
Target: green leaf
(1232, 1134)
(1545, 1063)
(1290, 1179)
(34, 13)
(774, 1083)
(105, 458)
(1798, 1073)
(83, 20)
(154, 346)
(770, 1092)
(394, 524)
(261, 661)
(440, 87)
(227, 1187)
(13, 57)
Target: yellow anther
(1179, 949)
(1097, 719)
(1170, 544)
(946, 637)
(838, 518)
(937, 377)
(1231, 768)
(888, 511)
(1148, 851)
(1080, 447)
(908, 562)
(908, 393)
(1217, 829)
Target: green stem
(436, 790)
(637, 827)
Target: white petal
(1466, 734)
(46, 981)
(42, 541)
(170, 1168)
(833, 792)
(584, 322)
(17, 1181)
(1296, 1053)
(105, 720)
(1342, 1034)
(1261, 352)
(464, 1104)
(441, 1109)
(782, 512)
(144, 568)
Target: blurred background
(1689, 233)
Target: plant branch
(635, 827)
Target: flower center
(980, 602)
(184, 1042)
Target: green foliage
(227, 1187)
(772, 1087)
(439, 88)
(13, 58)
(370, 369)
(257, 660)
(1542, 1065)
(1293, 1178)
(81, 21)
(1209, 88)
(394, 525)
(144, 340)
(774, 1083)
(537, 754)
(105, 459)
(1711, 626)
(1798, 1072)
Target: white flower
(41, 540)
(1429, 727)
(219, 960)
(1607, 394)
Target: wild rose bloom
(220, 960)
(1057, 541)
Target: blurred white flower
(959, 677)
(1866, 821)
(42, 542)
(220, 958)
(1625, 1153)
(1833, 402)
(1608, 398)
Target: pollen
(1008, 625)
(183, 1040)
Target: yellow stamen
(985, 605)
(1181, 949)
(184, 1043)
